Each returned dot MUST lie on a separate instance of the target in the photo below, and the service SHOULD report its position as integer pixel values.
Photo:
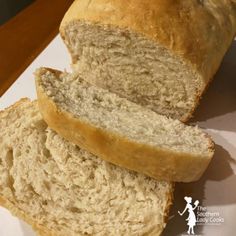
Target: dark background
(9, 8)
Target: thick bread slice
(120, 131)
(61, 189)
(158, 53)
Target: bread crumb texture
(108, 111)
(68, 190)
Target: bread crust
(199, 32)
(159, 163)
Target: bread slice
(158, 53)
(61, 189)
(120, 131)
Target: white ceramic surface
(216, 190)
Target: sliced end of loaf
(160, 53)
(120, 131)
(133, 66)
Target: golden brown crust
(200, 32)
(161, 164)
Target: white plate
(216, 191)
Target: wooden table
(26, 35)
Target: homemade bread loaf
(61, 189)
(158, 53)
(120, 131)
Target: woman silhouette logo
(191, 217)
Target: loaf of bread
(158, 53)
(62, 190)
(119, 131)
